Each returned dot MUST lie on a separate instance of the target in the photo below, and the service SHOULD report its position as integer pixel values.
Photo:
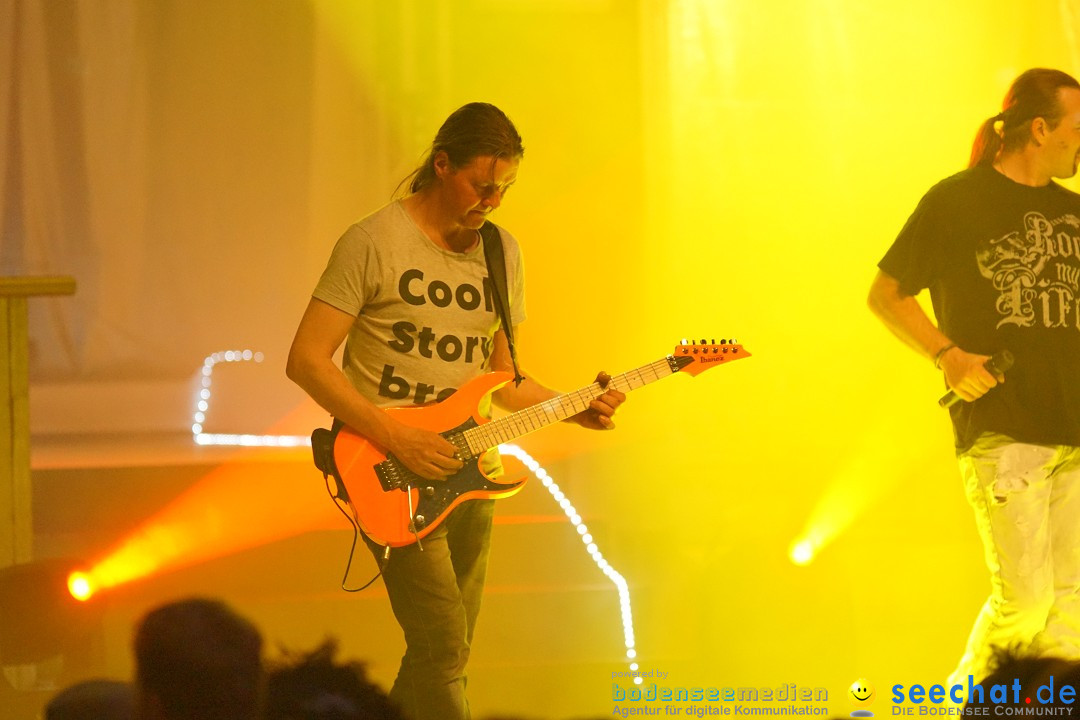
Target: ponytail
(1033, 94)
(987, 143)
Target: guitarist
(407, 290)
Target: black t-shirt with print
(1002, 262)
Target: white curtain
(190, 163)
(51, 108)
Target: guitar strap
(496, 265)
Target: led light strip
(587, 539)
(202, 407)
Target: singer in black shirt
(998, 247)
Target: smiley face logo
(861, 693)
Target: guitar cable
(338, 502)
(412, 514)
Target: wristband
(941, 354)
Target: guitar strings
(522, 422)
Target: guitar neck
(523, 422)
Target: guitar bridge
(392, 474)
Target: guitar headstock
(697, 358)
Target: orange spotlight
(253, 501)
(40, 620)
(79, 586)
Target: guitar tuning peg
(683, 341)
(713, 341)
(703, 341)
(723, 341)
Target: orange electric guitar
(396, 507)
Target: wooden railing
(16, 528)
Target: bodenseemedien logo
(653, 699)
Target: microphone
(996, 365)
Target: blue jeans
(1026, 500)
(435, 594)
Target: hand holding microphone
(996, 366)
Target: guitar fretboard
(523, 422)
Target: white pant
(1027, 508)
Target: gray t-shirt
(425, 316)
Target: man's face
(476, 189)
(1062, 144)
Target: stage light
(802, 552)
(40, 620)
(849, 494)
(236, 506)
(80, 586)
